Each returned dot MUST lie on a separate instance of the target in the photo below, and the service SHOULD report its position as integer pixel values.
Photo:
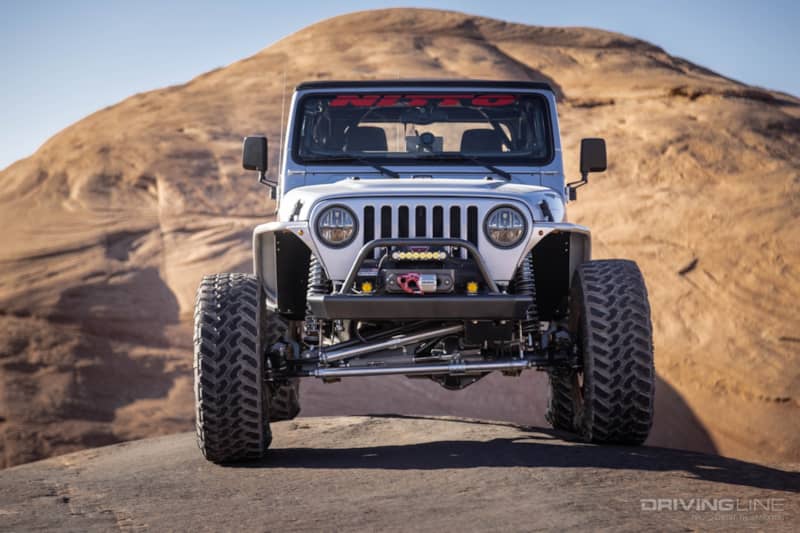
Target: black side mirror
(254, 153)
(593, 156)
(593, 159)
(254, 157)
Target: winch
(419, 281)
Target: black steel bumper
(390, 307)
(381, 243)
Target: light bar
(419, 256)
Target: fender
(580, 241)
(558, 249)
(281, 253)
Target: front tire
(283, 397)
(613, 394)
(560, 404)
(232, 408)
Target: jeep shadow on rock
(422, 231)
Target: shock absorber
(318, 283)
(525, 284)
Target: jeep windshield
(424, 128)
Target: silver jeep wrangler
(422, 231)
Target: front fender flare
(580, 241)
(281, 251)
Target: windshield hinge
(296, 211)
(545, 207)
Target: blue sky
(63, 60)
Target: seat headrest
(480, 140)
(365, 139)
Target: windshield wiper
(353, 157)
(463, 157)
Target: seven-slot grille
(398, 221)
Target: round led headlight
(336, 226)
(505, 226)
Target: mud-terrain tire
(284, 401)
(613, 396)
(283, 396)
(231, 398)
(560, 408)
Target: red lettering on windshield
(389, 100)
(416, 100)
(490, 100)
(446, 100)
(421, 100)
(354, 100)
(453, 99)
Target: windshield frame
(447, 159)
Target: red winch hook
(409, 283)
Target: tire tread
(231, 423)
(619, 372)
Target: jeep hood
(299, 201)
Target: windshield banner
(418, 100)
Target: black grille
(472, 225)
(386, 222)
(438, 221)
(455, 222)
(402, 222)
(422, 221)
(369, 223)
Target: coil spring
(318, 283)
(525, 284)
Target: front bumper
(391, 307)
(346, 305)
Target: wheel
(560, 410)
(231, 397)
(283, 397)
(284, 401)
(612, 396)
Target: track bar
(394, 342)
(452, 368)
